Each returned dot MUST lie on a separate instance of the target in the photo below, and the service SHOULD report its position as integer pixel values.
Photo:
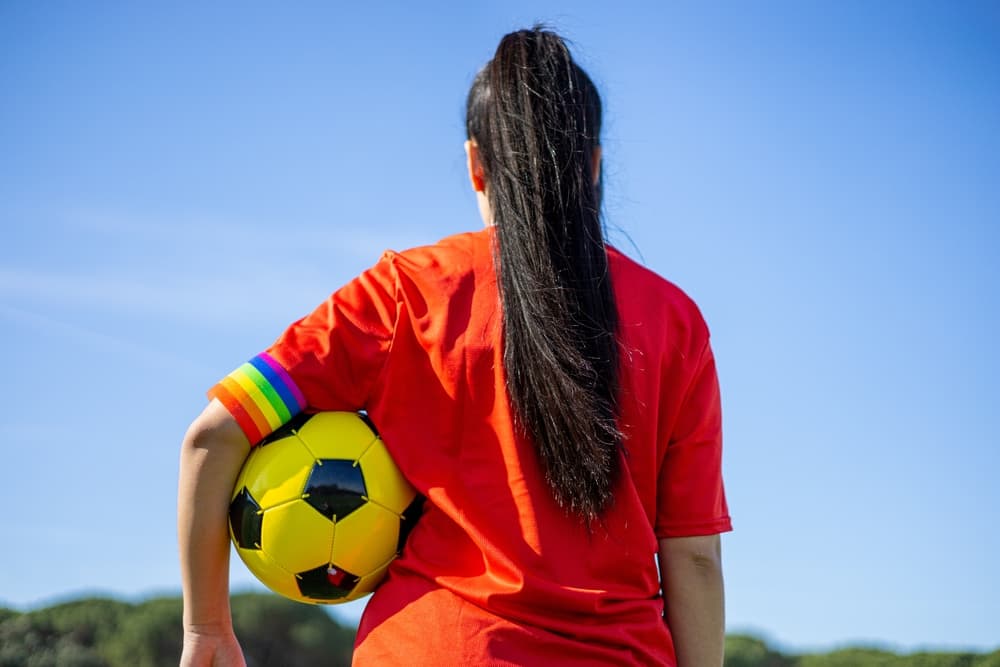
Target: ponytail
(535, 116)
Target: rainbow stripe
(260, 395)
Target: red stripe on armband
(244, 419)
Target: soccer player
(555, 402)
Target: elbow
(213, 428)
(707, 553)
(706, 564)
(701, 556)
(200, 434)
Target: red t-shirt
(495, 573)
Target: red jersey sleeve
(329, 360)
(691, 499)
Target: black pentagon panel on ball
(326, 583)
(409, 520)
(245, 519)
(335, 488)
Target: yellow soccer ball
(320, 509)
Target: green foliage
(867, 657)
(941, 660)
(269, 626)
(88, 622)
(106, 633)
(988, 660)
(747, 651)
(149, 635)
(34, 640)
(68, 634)
(852, 657)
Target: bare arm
(691, 570)
(213, 451)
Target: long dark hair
(535, 116)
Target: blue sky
(178, 184)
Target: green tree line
(747, 651)
(101, 632)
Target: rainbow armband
(260, 395)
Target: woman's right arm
(691, 574)
(212, 454)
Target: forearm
(694, 596)
(211, 456)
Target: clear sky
(177, 184)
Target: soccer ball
(320, 509)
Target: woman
(556, 403)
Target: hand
(211, 647)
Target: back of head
(535, 116)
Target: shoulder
(439, 271)
(451, 252)
(647, 299)
(636, 282)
